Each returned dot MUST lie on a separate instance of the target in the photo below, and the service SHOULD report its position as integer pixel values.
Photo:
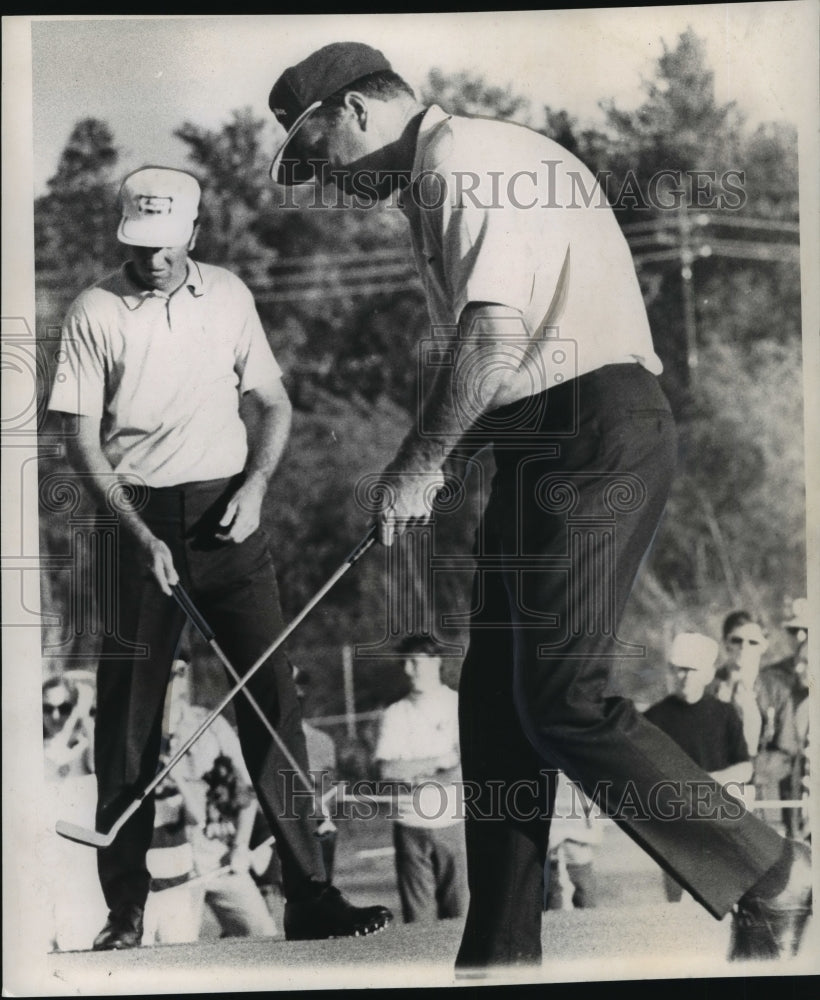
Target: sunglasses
(738, 640)
(64, 709)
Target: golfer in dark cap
(541, 346)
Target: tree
(74, 223)
(470, 94)
(232, 169)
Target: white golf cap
(693, 651)
(159, 207)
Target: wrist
(256, 479)
(143, 534)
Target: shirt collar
(133, 295)
(433, 117)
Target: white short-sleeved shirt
(164, 373)
(498, 213)
(420, 726)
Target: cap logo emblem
(148, 204)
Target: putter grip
(187, 605)
(363, 546)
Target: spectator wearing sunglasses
(68, 749)
(67, 728)
(763, 700)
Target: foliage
(469, 94)
(72, 223)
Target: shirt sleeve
(79, 382)
(255, 363)
(485, 248)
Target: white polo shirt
(164, 373)
(499, 214)
(423, 725)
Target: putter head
(82, 835)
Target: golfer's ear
(194, 234)
(358, 105)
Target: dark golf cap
(320, 75)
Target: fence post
(350, 697)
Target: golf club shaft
(200, 624)
(353, 558)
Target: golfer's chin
(155, 281)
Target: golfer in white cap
(157, 356)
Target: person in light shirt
(155, 360)
(418, 747)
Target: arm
(745, 703)
(85, 454)
(739, 773)
(420, 769)
(740, 767)
(240, 859)
(193, 791)
(474, 381)
(267, 442)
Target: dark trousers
(576, 499)
(430, 871)
(234, 586)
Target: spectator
(764, 700)
(792, 668)
(418, 745)
(574, 835)
(708, 730)
(801, 778)
(216, 788)
(68, 727)
(173, 910)
(68, 746)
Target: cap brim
(154, 232)
(290, 173)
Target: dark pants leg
(568, 524)
(128, 725)
(235, 588)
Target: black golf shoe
(329, 915)
(770, 928)
(123, 929)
